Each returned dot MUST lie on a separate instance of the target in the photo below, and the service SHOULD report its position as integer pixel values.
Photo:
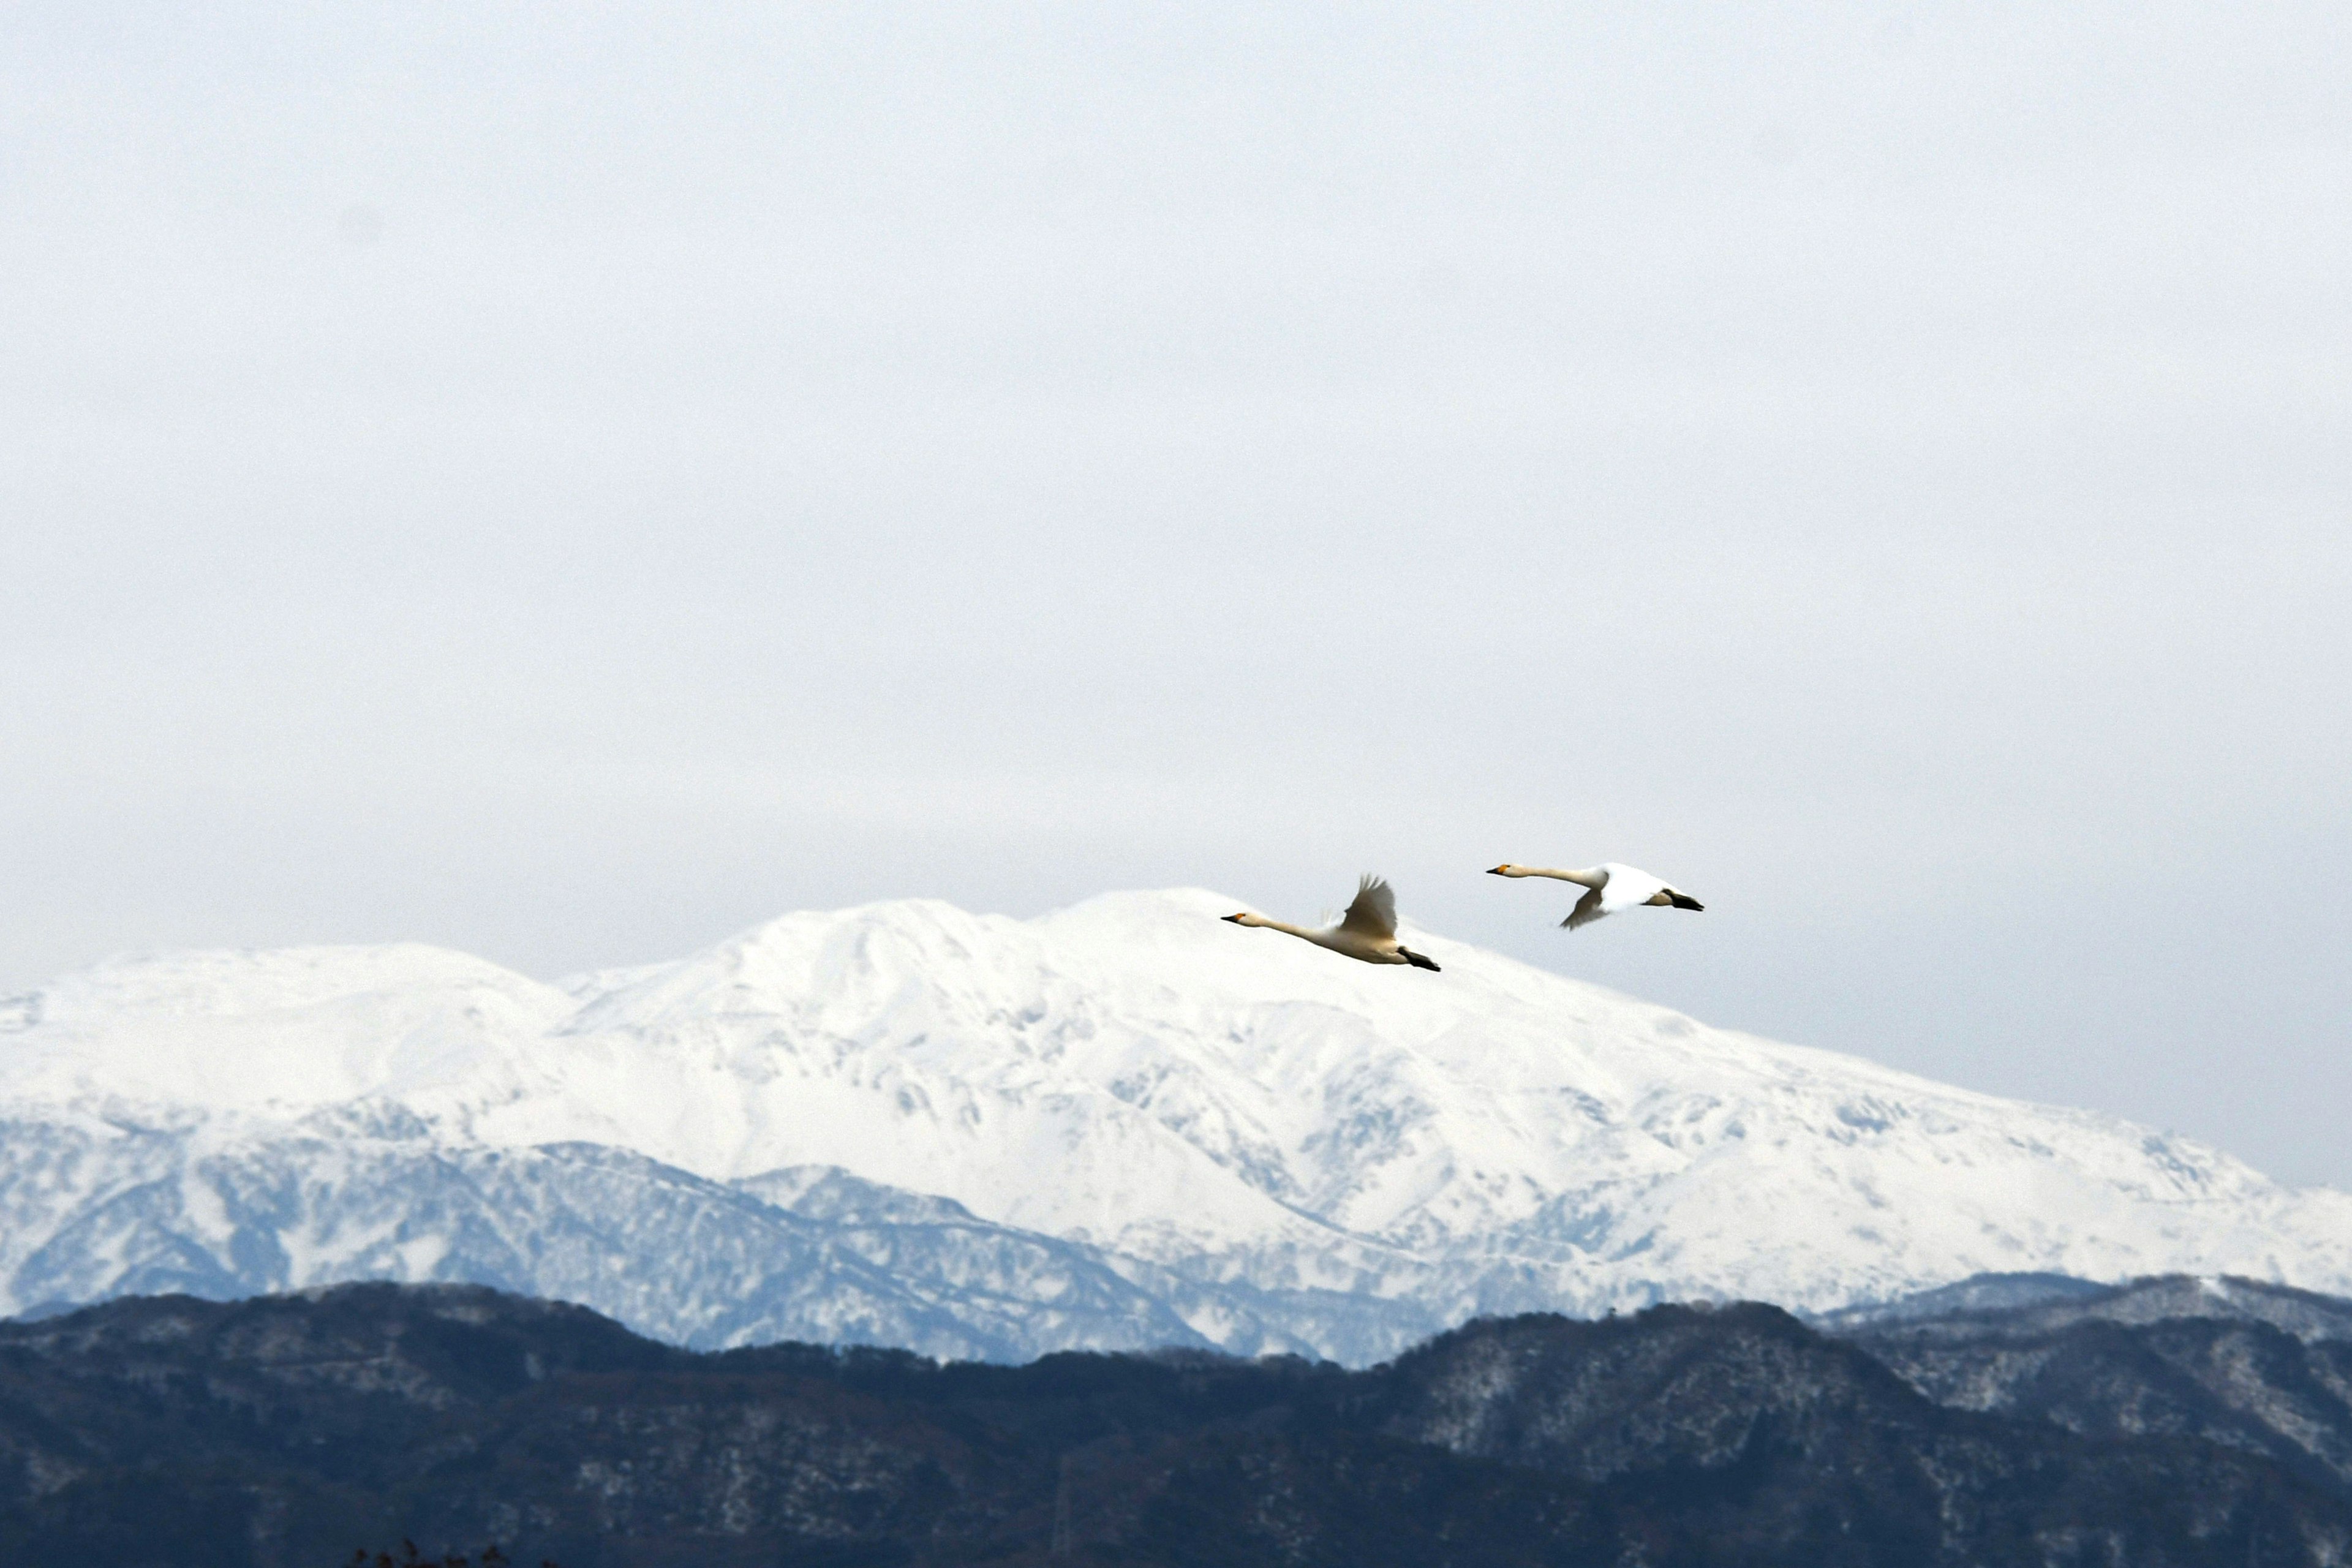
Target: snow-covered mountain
(1122, 1124)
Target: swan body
(1366, 933)
(1609, 889)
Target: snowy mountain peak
(271, 1031)
(1274, 1136)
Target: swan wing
(1629, 886)
(1588, 910)
(1373, 913)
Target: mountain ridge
(284, 1430)
(1283, 1150)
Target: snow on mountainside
(1122, 1124)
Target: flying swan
(1366, 931)
(1608, 890)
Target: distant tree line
(410, 1557)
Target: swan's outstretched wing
(1630, 886)
(1374, 911)
(1588, 910)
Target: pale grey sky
(568, 483)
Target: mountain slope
(288, 1430)
(1179, 1127)
(2235, 1361)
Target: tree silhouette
(410, 1557)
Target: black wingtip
(1417, 961)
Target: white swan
(1608, 890)
(1366, 931)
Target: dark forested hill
(290, 1430)
(2259, 1367)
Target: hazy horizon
(570, 487)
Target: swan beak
(1684, 902)
(1502, 871)
(1235, 919)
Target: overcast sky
(570, 483)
